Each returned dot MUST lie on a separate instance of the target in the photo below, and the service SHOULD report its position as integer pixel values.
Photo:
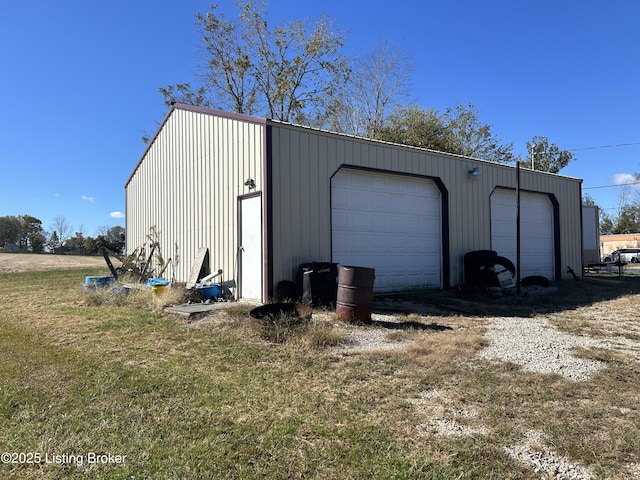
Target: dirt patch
(26, 262)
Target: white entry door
(250, 280)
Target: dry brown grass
(213, 397)
(30, 262)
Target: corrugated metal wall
(591, 234)
(187, 184)
(303, 161)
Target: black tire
(634, 260)
(477, 266)
(480, 255)
(287, 291)
(506, 263)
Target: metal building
(266, 196)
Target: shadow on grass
(409, 325)
(559, 297)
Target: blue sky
(80, 84)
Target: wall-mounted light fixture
(474, 172)
(251, 183)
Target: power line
(608, 208)
(603, 146)
(617, 185)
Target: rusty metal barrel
(355, 294)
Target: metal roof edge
(411, 147)
(222, 113)
(264, 121)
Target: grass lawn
(95, 388)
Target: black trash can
(318, 282)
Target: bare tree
(289, 73)
(62, 228)
(378, 82)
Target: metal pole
(518, 227)
(533, 161)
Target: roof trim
(265, 121)
(419, 149)
(193, 108)
(221, 113)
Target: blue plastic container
(210, 291)
(93, 283)
(157, 285)
(157, 282)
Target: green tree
(54, 242)
(415, 126)
(607, 223)
(628, 220)
(115, 238)
(76, 243)
(10, 229)
(37, 242)
(287, 73)
(93, 246)
(625, 217)
(111, 238)
(29, 226)
(456, 131)
(475, 139)
(547, 157)
(588, 201)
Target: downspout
(518, 227)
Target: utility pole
(533, 149)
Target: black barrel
(355, 294)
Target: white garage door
(388, 222)
(536, 231)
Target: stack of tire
(480, 268)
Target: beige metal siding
(187, 185)
(303, 161)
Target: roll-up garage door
(388, 222)
(536, 231)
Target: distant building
(609, 243)
(590, 235)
